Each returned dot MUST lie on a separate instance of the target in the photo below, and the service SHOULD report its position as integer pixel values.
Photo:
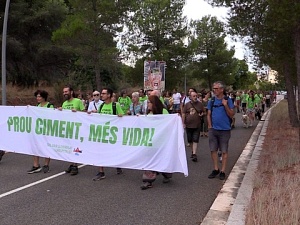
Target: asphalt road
(58, 198)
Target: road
(58, 198)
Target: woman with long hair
(155, 107)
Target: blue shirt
(220, 119)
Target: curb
(233, 199)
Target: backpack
(49, 105)
(212, 106)
(114, 108)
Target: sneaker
(69, 169)
(222, 176)
(194, 158)
(119, 171)
(99, 176)
(1, 154)
(46, 169)
(166, 180)
(74, 170)
(34, 170)
(213, 174)
(146, 185)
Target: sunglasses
(96, 95)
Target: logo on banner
(77, 151)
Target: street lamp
(4, 53)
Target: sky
(196, 9)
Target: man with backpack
(111, 108)
(41, 97)
(219, 114)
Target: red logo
(77, 150)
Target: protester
(124, 101)
(142, 95)
(219, 114)
(73, 104)
(204, 127)
(95, 104)
(155, 107)
(136, 106)
(176, 96)
(41, 97)
(251, 108)
(110, 108)
(186, 98)
(89, 98)
(191, 118)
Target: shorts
(193, 134)
(219, 139)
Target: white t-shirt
(176, 97)
(94, 105)
(185, 100)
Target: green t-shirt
(245, 98)
(250, 103)
(165, 111)
(48, 105)
(257, 99)
(142, 99)
(125, 103)
(108, 109)
(162, 100)
(75, 103)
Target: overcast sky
(196, 9)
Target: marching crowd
(208, 114)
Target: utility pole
(4, 52)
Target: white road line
(34, 183)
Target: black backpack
(114, 108)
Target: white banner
(136, 142)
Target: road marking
(34, 183)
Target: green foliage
(31, 56)
(211, 59)
(156, 31)
(89, 30)
(273, 31)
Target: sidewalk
(231, 203)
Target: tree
(156, 31)
(31, 56)
(273, 28)
(90, 30)
(211, 59)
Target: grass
(276, 196)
